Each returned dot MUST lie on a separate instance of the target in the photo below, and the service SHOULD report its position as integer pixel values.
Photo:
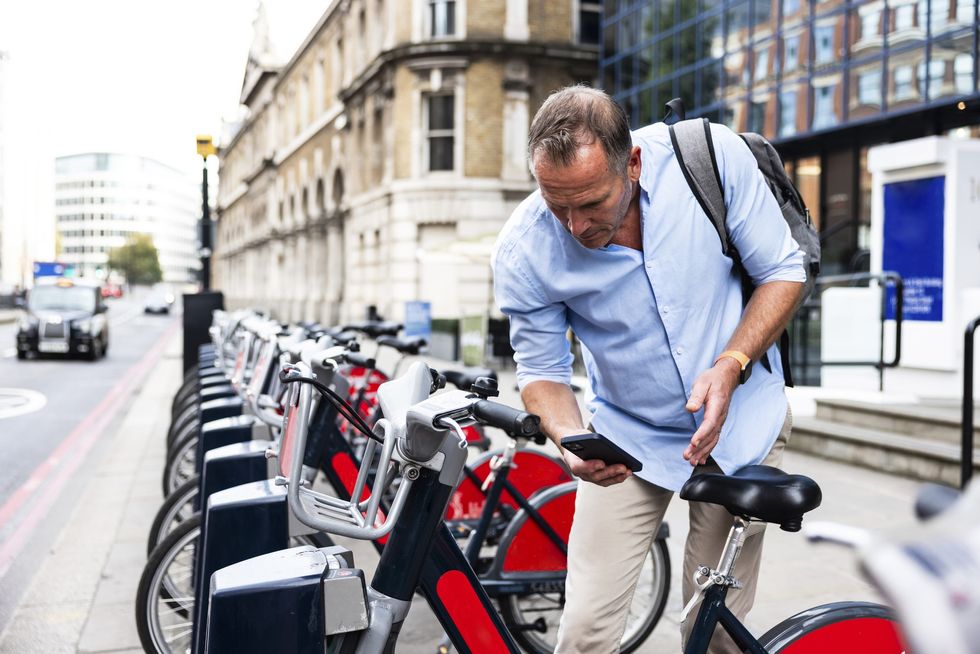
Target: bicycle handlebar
(515, 422)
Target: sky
(123, 76)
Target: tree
(137, 260)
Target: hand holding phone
(596, 446)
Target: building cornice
(449, 50)
(311, 130)
(233, 196)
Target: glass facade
(789, 68)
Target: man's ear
(633, 166)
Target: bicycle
(764, 494)
(431, 452)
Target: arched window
(319, 198)
(337, 192)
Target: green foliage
(137, 260)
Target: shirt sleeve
(537, 327)
(755, 223)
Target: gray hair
(576, 116)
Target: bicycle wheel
(181, 464)
(841, 627)
(190, 413)
(177, 508)
(533, 618)
(165, 595)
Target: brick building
(376, 165)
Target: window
(869, 87)
(588, 22)
(964, 11)
(823, 39)
(787, 113)
(938, 15)
(903, 82)
(791, 52)
(931, 78)
(904, 18)
(442, 18)
(757, 116)
(869, 24)
(824, 107)
(440, 122)
(762, 63)
(963, 73)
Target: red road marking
(57, 469)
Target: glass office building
(822, 79)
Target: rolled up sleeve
(538, 328)
(755, 223)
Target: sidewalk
(81, 599)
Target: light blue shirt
(650, 322)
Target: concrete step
(936, 422)
(911, 456)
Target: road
(53, 413)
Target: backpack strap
(695, 154)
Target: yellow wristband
(742, 358)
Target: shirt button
(679, 351)
(666, 309)
(649, 264)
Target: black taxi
(64, 316)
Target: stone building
(378, 163)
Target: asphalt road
(54, 413)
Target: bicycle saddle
(343, 338)
(757, 492)
(409, 345)
(375, 329)
(465, 378)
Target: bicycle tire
(164, 620)
(180, 464)
(841, 627)
(188, 415)
(176, 508)
(638, 629)
(153, 592)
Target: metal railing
(966, 463)
(801, 322)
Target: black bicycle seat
(409, 345)
(375, 329)
(463, 379)
(758, 492)
(344, 338)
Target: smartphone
(596, 446)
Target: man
(614, 246)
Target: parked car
(64, 316)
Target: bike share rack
(966, 459)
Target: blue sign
(53, 269)
(418, 319)
(913, 246)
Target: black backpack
(695, 154)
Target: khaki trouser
(611, 535)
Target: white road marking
(18, 401)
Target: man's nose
(577, 223)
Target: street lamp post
(205, 148)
